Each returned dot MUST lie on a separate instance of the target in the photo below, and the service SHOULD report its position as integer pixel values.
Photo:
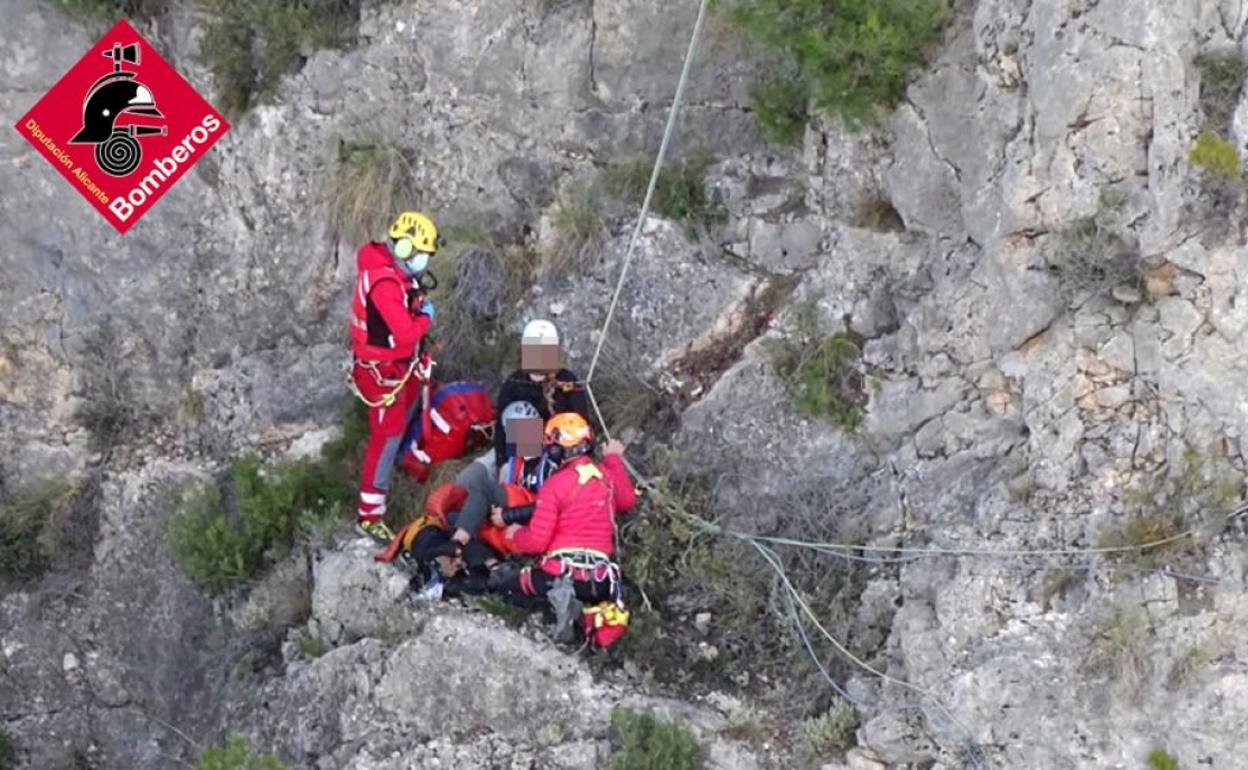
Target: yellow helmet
(413, 231)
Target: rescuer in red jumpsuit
(390, 315)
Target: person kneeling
(572, 527)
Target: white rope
(645, 203)
(756, 541)
(915, 552)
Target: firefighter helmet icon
(118, 93)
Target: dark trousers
(530, 585)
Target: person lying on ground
(438, 560)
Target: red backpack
(458, 417)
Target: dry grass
(42, 524)
(370, 184)
(683, 571)
(1196, 497)
(577, 222)
(1221, 83)
(626, 399)
(1189, 666)
(481, 287)
(1119, 649)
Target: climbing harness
(603, 622)
(585, 565)
(420, 367)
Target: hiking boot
(562, 597)
(374, 528)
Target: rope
(386, 398)
(763, 544)
(645, 203)
(845, 652)
(838, 549)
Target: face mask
(416, 265)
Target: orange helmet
(568, 430)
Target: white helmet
(518, 410)
(539, 332)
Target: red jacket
(575, 510)
(386, 322)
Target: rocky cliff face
(1013, 399)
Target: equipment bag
(604, 623)
(455, 418)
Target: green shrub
(1221, 83)
(1160, 759)
(222, 546)
(821, 376)
(8, 751)
(34, 525)
(311, 646)
(780, 107)
(234, 755)
(248, 45)
(833, 730)
(343, 454)
(856, 55)
(680, 194)
(680, 570)
(1216, 157)
(648, 743)
(372, 181)
(109, 11)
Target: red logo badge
(122, 126)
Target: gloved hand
(520, 514)
(426, 308)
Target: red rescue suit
(386, 330)
(576, 508)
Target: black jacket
(563, 393)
